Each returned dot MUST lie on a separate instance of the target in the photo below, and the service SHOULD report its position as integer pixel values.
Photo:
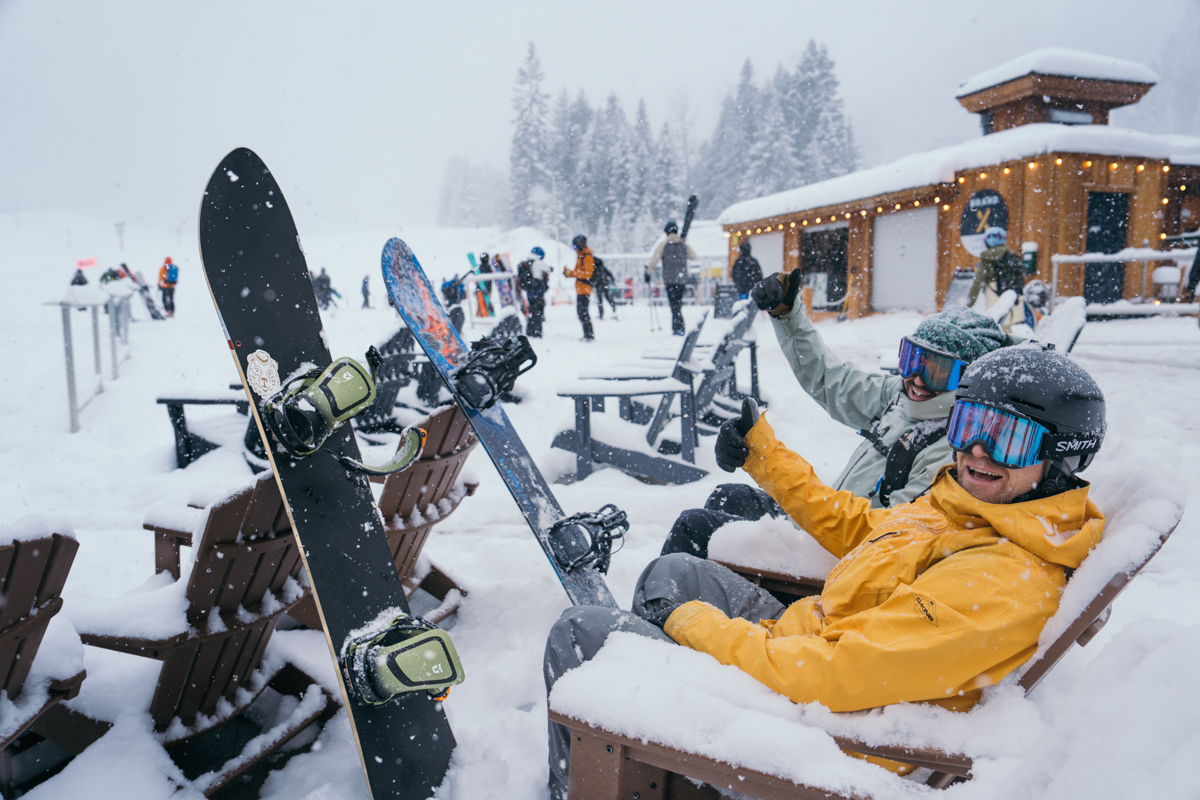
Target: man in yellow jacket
(932, 600)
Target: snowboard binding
(587, 538)
(408, 655)
(491, 370)
(306, 410)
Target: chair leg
(601, 770)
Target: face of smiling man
(916, 389)
(988, 482)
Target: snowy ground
(1115, 718)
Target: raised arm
(849, 394)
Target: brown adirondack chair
(32, 574)
(415, 500)
(607, 765)
(245, 577)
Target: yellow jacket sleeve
(962, 625)
(839, 520)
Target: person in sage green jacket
(901, 418)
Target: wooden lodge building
(1048, 168)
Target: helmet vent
(1025, 402)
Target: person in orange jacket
(582, 273)
(931, 600)
(168, 276)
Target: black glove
(770, 293)
(731, 449)
(647, 273)
(658, 611)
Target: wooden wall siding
(1047, 204)
(859, 249)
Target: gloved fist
(647, 273)
(731, 449)
(777, 293)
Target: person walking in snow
(931, 600)
(168, 276)
(674, 252)
(366, 291)
(582, 273)
(746, 271)
(534, 280)
(999, 269)
(602, 281)
(902, 418)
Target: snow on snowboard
(578, 546)
(259, 281)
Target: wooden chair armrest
(774, 581)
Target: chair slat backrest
(1089, 621)
(449, 440)
(246, 550)
(32, 574)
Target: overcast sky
(120, 110)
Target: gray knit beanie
(960, 332)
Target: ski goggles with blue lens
(1011, 441)
(939, 371)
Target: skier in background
(324, 290)
(366, 291)
(674, 253)
(582, 273)
(602, 279)
(534, 279)
(168, 276)
(998, 270)
(746, 271)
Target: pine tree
(771, 164)
(642, 161)
(824, 145)
(527, 159)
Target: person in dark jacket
(535, 280)
(746, 271)
(674, 252)
(366, 291)
(602, 279)
(999, 269)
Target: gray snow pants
(666, 582)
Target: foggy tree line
(578, 168)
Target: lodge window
(987, 121)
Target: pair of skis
(393, 668)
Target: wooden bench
(613, 765)
(244, 579)
(188, 445)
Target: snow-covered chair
(415, 500)
(211, 632)
(40, 656)
(645, 713)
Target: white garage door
(768, 249)
(904, 267)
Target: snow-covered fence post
(72, 398)
(80, 297)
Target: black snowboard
(255, 269)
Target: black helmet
(1037, 382)
(579, 242)
(670, 228)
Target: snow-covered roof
(940, 166)
(1062, 62)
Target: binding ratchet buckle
(408, 655)
(492, 369)
(587, 538)
(305, 411)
